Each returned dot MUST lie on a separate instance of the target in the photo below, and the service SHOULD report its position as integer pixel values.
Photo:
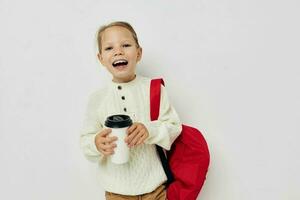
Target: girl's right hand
(104, 143)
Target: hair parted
(116, 23)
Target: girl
(128, 93)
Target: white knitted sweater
(143, 173)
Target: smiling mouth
(119, 63)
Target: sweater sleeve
(167, 128)
(90, 128)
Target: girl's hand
(104, 143)
(137, 133)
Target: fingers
(131, 133)
(132, 128)
(137, 134)
(110, 139)
(105, 132)
(142, 139)
(104, 143)
(107, 149)
(137, 138)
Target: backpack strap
(155, 92)
(155, 97)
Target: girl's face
(119, 53)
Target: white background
(231, 69)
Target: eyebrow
(124, 41)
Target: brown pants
(158, 194)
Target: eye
(126, 45)
(108, 48)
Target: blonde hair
(116, 23)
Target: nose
(118, 51)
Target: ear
(139, 53)
(100, 58)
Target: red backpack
(187, 162)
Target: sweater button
(119, 87)
(123, 98)
(125, 109)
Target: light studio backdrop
(231, 69)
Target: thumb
(105, 132)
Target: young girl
(128, 93)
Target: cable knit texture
(143, 173)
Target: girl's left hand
(137, 133)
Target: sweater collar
(127, 84)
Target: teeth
(120, 61)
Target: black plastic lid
(118, 121)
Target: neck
(125, 80)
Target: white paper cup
(121, 154)
(119, 125)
